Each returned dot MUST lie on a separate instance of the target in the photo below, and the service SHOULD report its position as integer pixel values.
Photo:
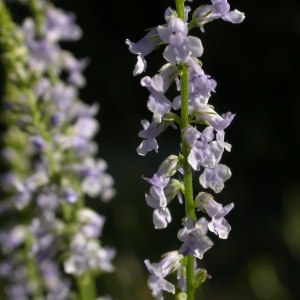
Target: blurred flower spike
(52, 162)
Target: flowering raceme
(52, 162)
(202, 141)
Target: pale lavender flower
(88, 255)
(57, 287)
(63, 96)
(201, 153)
(69, 195)
(160, 179)
(150, 132)
(159, 182)
(218, 9)
(173, 189)
(157, 86)
(95, 182)
(217, 212)
(159, 271)
(204, 112)
(145, 46)
(12, 237)
(43, 228)
(27, 188)
(161, 216)
(195, 241)
(82, 110)
(38, 143)
(199, 82)
(47, 200)
(41, 52)
(86, 127)
(181, 46)
(215, 177)
(60, 26)
(75, 68)
(221, 142)
(161, 81)
(90, 222)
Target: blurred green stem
(86, 286)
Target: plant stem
(86, 287)
(188, 183)
(38, 15)
(180, 9)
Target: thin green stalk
(38, 15)
(86, 287)
(180, 9)
(188, 183)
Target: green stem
(86, 287)
(38, 15)
(180, 9)
(188, 180)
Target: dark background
(256, 65)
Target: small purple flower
(218, 9)
(47, 200)
(86, 127)
(160, 179)
(145, 46)
(173, 189)
(75, 67)
(90, 222)
(201, 153)
(12, 238)
(159, 271)
(217, 212)
(157, 86)
(161, 216)
(159, 105)
(38, 143)
(195, 241)
(60, 26)
(88, 255)
(181, 46)
(63, 97)
(199, 83)
(150, 132)
(57, 287)
(215, 177)
(204, 112)
(69, 195)
(95, 182)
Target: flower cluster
(52, 160)
(204, 146)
